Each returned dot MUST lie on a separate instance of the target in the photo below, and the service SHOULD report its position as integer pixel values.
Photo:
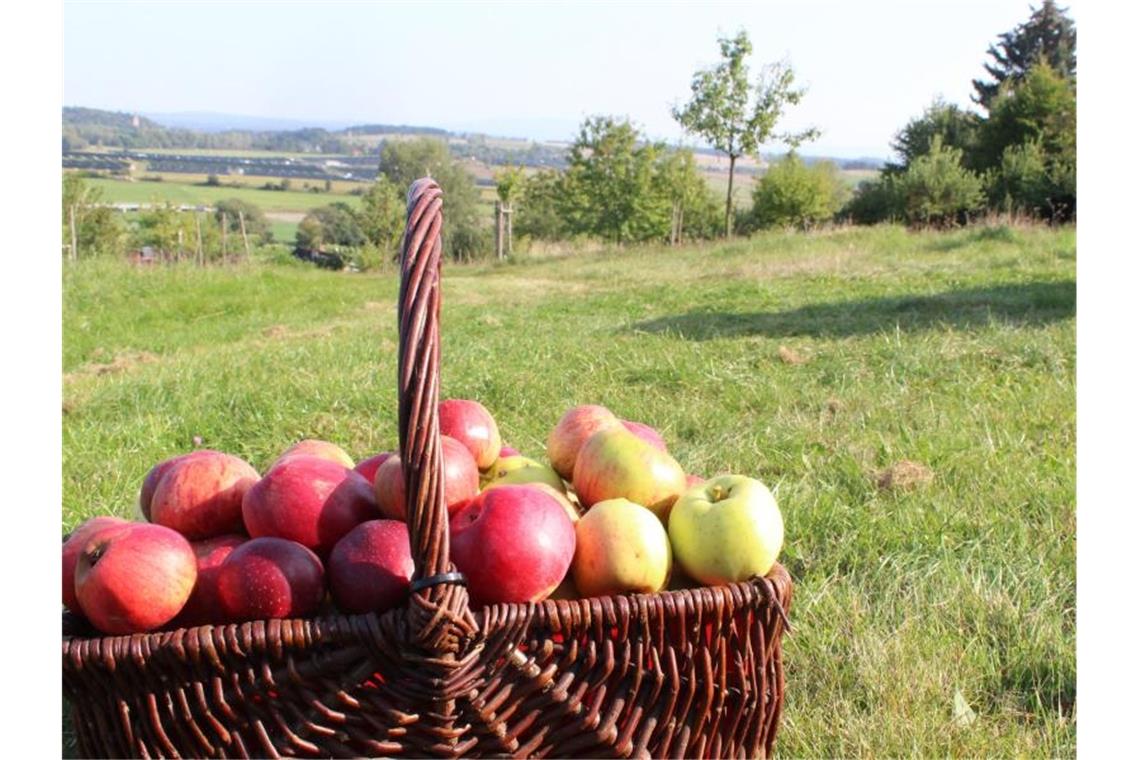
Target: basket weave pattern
(688, 673)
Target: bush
(937, 190)
(792, 194)
(873, 201)
(234, 210)
(1021, 182)
(332, 225)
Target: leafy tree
(678, 180)
(735, 116)
(234, 210)
(1043, 107)
(381, 216)
(958, 128)
(539, 214)
(1048, 33)
(792, 193)
(332, 225)
(937, 190)
(97, 227)
(508, 183)
(404, 161)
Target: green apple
(519, 470)
(616, 464)
(727, 529)
(619, 547)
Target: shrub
(873, 201)
(937, 190)
(792, 193)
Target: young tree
(957, 127)
(1048, 33)
(508, 185)
(335, 224)
(381, 215)
(539, 212)
(235, 210)
(937, 189)
(678, 180)
(735, 116)
(792, 193)
(92, 227)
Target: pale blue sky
(526, 69)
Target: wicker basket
(688, 673)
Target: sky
(527, 70)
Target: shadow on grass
(1029, 303)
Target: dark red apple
(471, 424)
(150, 482)
(309, 500)
(311, 447)
(460, 480)
(646, 433)
(204, 606)
(270, 578)
(571, 432)
(514, 544)
(369, 466)
(134, 577)
(200, 496)
(73, 546)
(370, 568)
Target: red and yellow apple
(135, 577)
(620, 547)
(73, 546)
(270, 577)
(645, 433)
(313, 447)
(726, 530)
(616, 464)
(150, 482)
(471, 424)
(571, 433)
(200, 496)
(460, 480)
(370, 568)
(514, 543)
(519, 469)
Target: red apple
(514, 544)
(571, 433)
(471, 424)
(204, 606)
(369, 466)
(693, 480)
(200, 496)
(315, 448)
(646, 433)
(309, 500)
(150, 482)
(371, 567)
(616, 464)
(507, 451)
(73, 546)
(270, 578)
(134, 577)
(460, 480)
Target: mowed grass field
(123, 191)
(813, 362)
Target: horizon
(866, 61)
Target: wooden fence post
(244, 239)
(498, 230)
(509, 211)
(198, 226)
(74, 236)
(225, 223)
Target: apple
(693, 480)
(370, 568)
(520, 469)
(369, 466)
(563, 499)
(460, 480)
(134, 577)
(507, 451)
(621, 547)
(645, 433)
(310, 500)
(71, 549)
(514, 544)
(150, 482)
(204, 606)
(616, 464)
(316, 448)
(471, 424)
(726, 530)
(200, 496)
(571, 432)
(270, 577)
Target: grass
(122, 191)
(953, 350)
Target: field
(122, 191)
(932, 619)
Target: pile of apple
(608, 515)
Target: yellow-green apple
(727, 529)
(309, 500)
(270, 577)
(616, 464)
(620, 547)
(571, 432)
(460, 480)
(150, 482)
(134, 577)
(514, 544)
(471, 424)
(645, 433)
(313, 447)
(200, 496)
(369, 466)
(519, 469)
(204, 606)
(370, 568)
(73, 546)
